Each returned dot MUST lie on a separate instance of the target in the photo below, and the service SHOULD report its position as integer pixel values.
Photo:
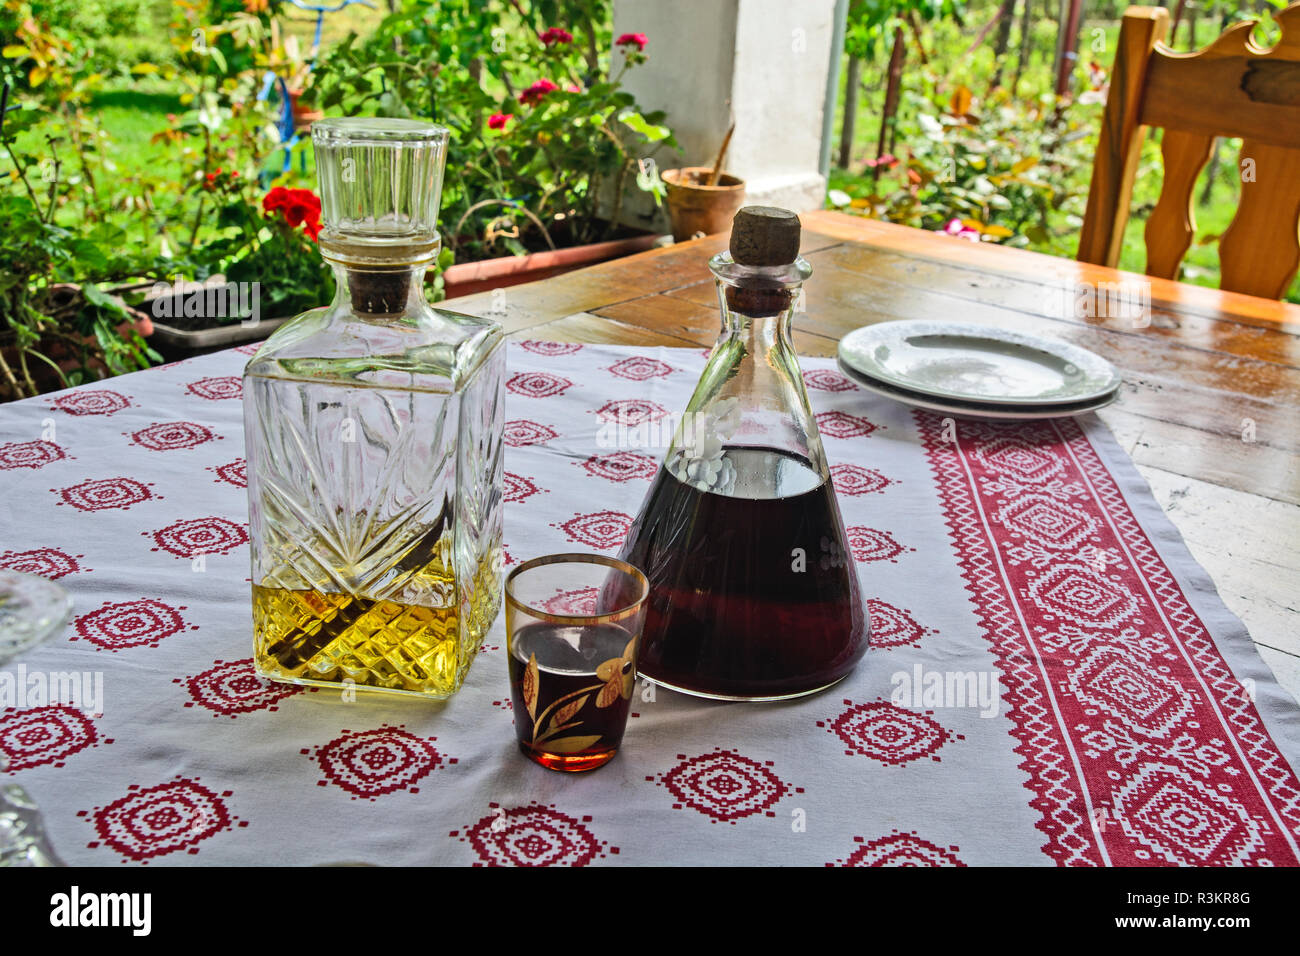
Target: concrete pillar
(763, 63)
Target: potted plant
(262, 269)
(544, 139)
(699, 203)
(58, 328)
(703, 199)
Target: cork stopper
(379, 293)
(764, 236)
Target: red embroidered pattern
(231, 688)
(638, 368)
(29, 454)
(893, 626)
(843, 425)
(169, 436)
(603, 529)
(1140, 744)
(45, 735)
(854, 480)
(520, 432)
(217, 388)
(100, 494)
(900, 849)
(537, 384)
(154, 821)
(630, 412)
(621, 466)
(47, 562)
(888, 733)
(550, 348)
(234, 473)
(199, 536)
(580, 601)
(518, 488)
(372, 763)
(533, 835)
(868, 544)
(91, 402)
(143, 623)
(827, 380)
(725, 785)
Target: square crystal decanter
(374, 442)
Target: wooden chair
(1231, 88)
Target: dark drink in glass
(752, 595)
(573, 623)
(583, 679)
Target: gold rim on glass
(581, 620)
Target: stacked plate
(977, 370)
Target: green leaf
(98, 297)
(638, 124)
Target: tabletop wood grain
(1209, 409)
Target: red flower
(555, 35)
(296, 213)
(537, 92)
(637, 40)
(219, 179)
(299, 207)
(277, 198)
(499, 120)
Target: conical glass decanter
(374, 437)
(753, 591)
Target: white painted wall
(763, 63)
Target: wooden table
(1209, 410)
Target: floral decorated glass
(573, 624)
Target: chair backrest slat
(1120, 144)
(1232, 88)
(1260, 251)
(1172, 224)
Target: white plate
(976, 363)
(978, 409)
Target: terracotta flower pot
(466, 278)
(699, 209)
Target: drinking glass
(573, 624)
(31, 609)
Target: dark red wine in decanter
(753, 591)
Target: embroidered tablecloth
(1052, 679)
